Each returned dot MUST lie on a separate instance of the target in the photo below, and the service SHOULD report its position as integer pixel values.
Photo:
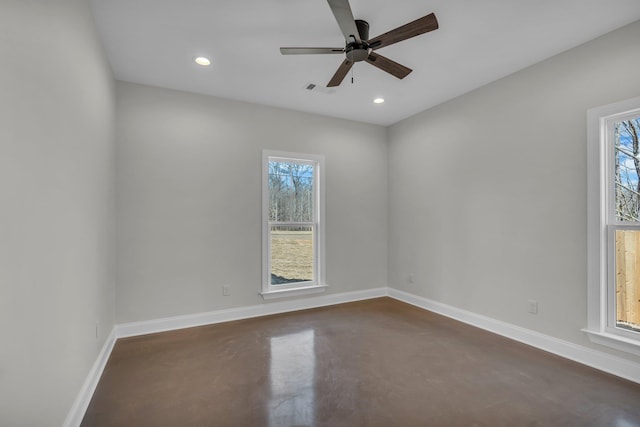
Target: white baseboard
(596, 359)
(218, 316)
(80, 405)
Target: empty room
(319, 213)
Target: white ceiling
(154, 42)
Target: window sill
(614, 341)
(294, 292)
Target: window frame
(602, 225)
(318, 284)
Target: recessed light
(378, 100)
(201, 60)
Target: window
(292, 224)
(614, 225)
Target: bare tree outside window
(627, 170)
(290, 192)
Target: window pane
(290, 191)
(627, 170)
(628, 279)
(291, 254)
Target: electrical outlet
(411, 278)
(533, 306)
(226, 290)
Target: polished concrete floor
(371, 363)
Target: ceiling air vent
(312, 87)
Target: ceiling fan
(358, 46)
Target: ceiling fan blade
(342, 11)
(385, 64)
(310, 50)
(343, 69)
(412, 29)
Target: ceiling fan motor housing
(357, 52)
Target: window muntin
(293, 233)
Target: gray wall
(189, 199)
(488, 191)
(56, 207)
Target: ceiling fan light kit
(358, 46)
